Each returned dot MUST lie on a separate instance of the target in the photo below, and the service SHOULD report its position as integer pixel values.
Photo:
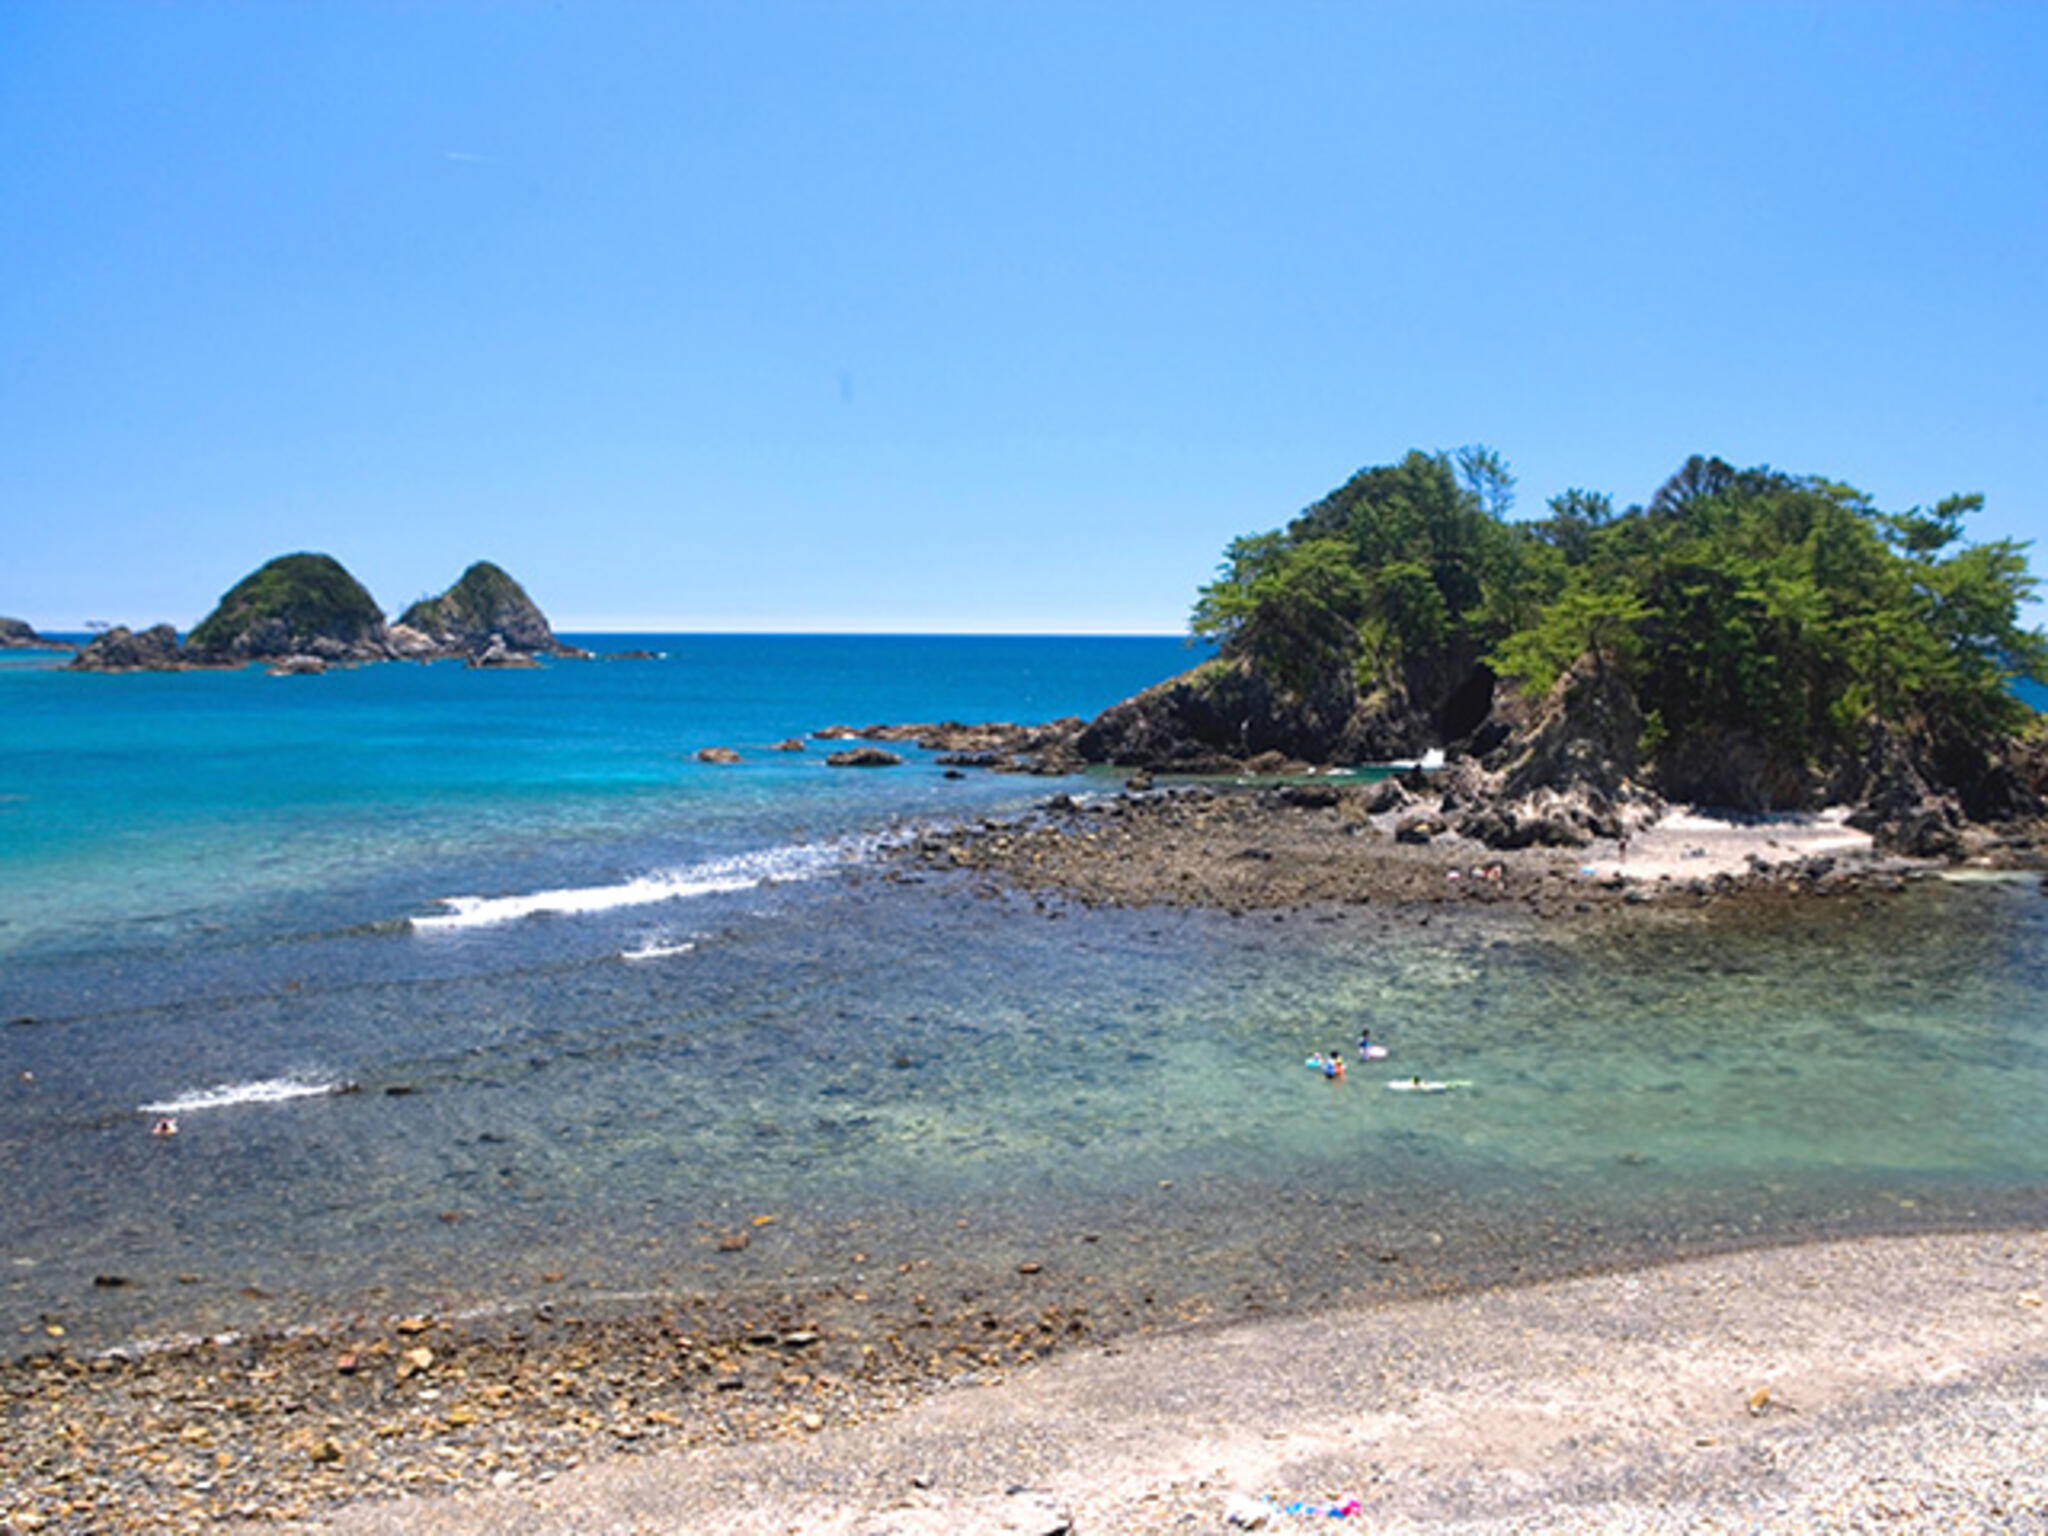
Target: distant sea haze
(451, 979)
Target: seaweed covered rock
(296, 605)
(484, 607)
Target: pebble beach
(1895, 1384)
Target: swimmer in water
(164, 1127)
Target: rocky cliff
(1226, 713)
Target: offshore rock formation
(303, 613)
(485, 610)
(15, 635)
(296, 605)
(122, 650)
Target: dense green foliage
(1785, 608)
(475, 603)
(292, 598)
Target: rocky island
(1768, 645)
(302, 613)
(485, 617)
(16, 635)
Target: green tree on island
(1780, 621)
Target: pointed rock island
(486, 616)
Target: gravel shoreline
(1896, 1384)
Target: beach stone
(1419, 829)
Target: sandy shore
(1893, 1384)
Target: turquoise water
(601, 1004)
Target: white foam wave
(273, 1090)
(657, 951)
(742, 872)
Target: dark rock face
(297, 605)
(485, 605)
(1226, 714)
(15, 635)
(122, 650)
(1901, 811)
(1583, 737)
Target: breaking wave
(742, 872)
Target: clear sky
(973, 316)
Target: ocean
(463, 986)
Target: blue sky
(957, 316)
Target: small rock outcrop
(17, 635)
(496, 653)
(863, 757)
(1901, 811)
(120, 649)
(484, 608)
(296, 605)
(721, 756)
(1582, 738)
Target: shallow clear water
(873, 1062)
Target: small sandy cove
(1895, 1384)
(1689, 844)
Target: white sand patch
(1689, 843)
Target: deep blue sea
(598, 1004)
